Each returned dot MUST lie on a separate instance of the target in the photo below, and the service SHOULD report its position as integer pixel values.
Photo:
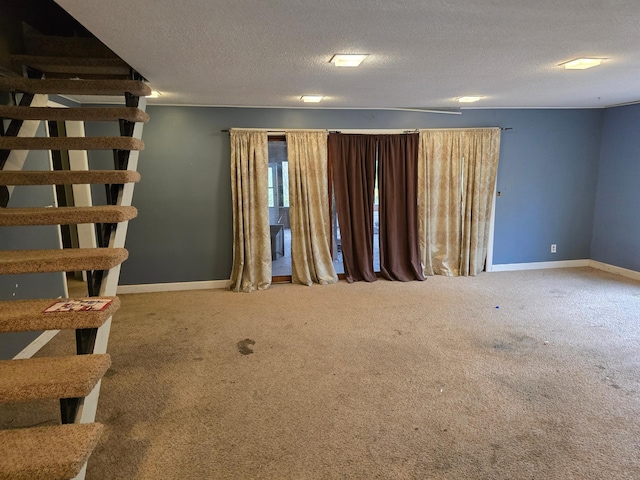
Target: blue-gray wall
(547, 178)
(616, 233)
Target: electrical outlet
(553, 248)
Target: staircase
(71, 66)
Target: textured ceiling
(423, 54)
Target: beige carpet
(421, 380)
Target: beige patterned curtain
(250, 196)
(309, 208)
(456, 179)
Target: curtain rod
(361, 129)
(415, 130)
(279, 130)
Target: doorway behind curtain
(279, 207)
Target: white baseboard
(624, 272)
(510, 267)
(31, 349)
(507, 267)
(172, 287)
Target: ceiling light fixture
(311, 98)
(469, 99)
(347, 60)
(582, 63)
(154, 94)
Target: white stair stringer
(78, 160)
(16, 158)
(89, 405)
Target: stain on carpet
(557, 293)
(516, 343)
(501, 345)
(243, 346)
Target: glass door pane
(336, 244)
(376, 226)
(279, 208)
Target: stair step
(90, 114)
(68, 177)
(71, 143)
(74, 87)
(73, 66)
(47, 378)
(14, 217)
(28, 316)
(57, 46)
(86, 76)
(64, 260)
(47, 453)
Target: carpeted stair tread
(73, 66)
(28, 316)
(90, 114)
(47, 453)
(86, 76)
(57, 46)
(13, 217)
(74, 87)
(71, 143)
(45, 378)
(68, 177)
(62, 260)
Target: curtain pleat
(456, 179)
(353, 166)
(398, 229)
(250, 196)
(309, 208)
(481, 168)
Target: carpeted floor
(513, 375)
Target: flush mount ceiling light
(582, 63)
(347, 60)
(469, 99)
(154, 94)
(311, 98)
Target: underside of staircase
(65, 66)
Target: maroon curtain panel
(353, 162)
(398, 214)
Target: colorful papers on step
(86, 305)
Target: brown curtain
(353, 160)
(397, 189)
